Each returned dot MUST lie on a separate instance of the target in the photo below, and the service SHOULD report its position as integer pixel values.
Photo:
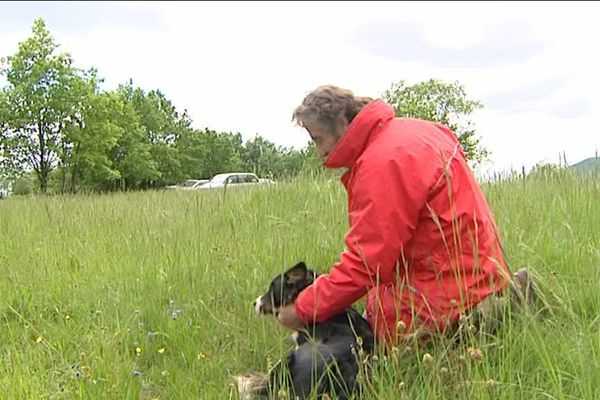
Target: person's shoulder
(404, 136)
(421, 134)
(416, 126)
(408, 144)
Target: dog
(327, 357)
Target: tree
(94, 138)
(85, 137)
(223, 153)
(163, 126)
(441, 102)
(132, 154)
(261, 157)
(41, 100)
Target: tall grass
(148, 295)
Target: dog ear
(296, 274)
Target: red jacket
(422, 241)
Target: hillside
(588, 165)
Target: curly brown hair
(327, 104)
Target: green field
(148, 295)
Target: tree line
(60, 133)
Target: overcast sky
(243, 67)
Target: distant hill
(589, 165)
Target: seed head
(427, 359)
(475, 354)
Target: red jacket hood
(363, 127)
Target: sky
(244, 66)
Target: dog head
(284, 289)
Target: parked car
(235, 179)
(188, 184)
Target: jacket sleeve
(387, 197)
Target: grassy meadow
(149, 295)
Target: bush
(24, 185)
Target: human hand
(289, 318)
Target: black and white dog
(326, 359)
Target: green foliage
(441, 102)
(42, 99)
(99, 132)
(24, 185)
(266, 159)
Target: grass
(148, 295)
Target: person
(422, 244)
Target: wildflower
(401, 385)
(475, 354)
(138, 350)
(67, 317)
(39, 339)
(161, 350)
(401, 326)
(165, 373)
(201, 356)
(175, 313)
(427, 359)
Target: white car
(188, 184)
(234, 179)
